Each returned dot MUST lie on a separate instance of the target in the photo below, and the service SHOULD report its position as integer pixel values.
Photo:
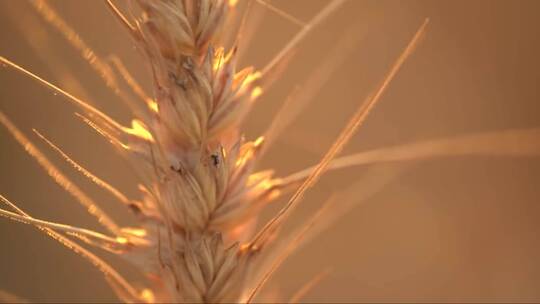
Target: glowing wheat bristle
(84, 105)
(107, 270)
(306, 29)
(58, 177)
(102, 69)
(343, 138)
(59, 227)
(121, 197)
(308, 286)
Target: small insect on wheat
(201, 192)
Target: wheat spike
(205, 188)
(201, 192)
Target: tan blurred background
(445, 230)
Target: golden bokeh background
(444, 230)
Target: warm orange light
(138, 129)
(152, 105)
(267, 184)
(135, 231)
(218, 58)
(233, 3)
(148, 296)
(257, 91)
(122, 240)
(252, 77)
(258, 141)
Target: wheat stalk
(201, 192)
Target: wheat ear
(201, 193)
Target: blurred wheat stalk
(201, 191)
